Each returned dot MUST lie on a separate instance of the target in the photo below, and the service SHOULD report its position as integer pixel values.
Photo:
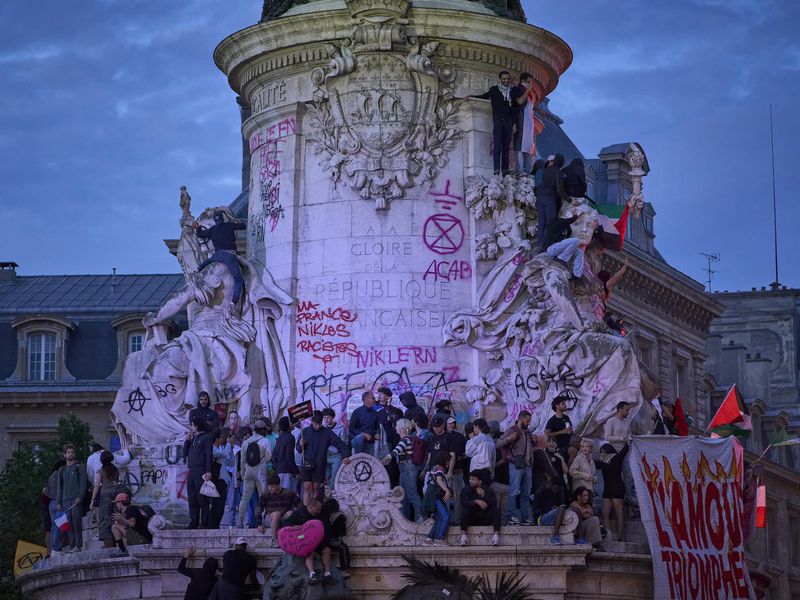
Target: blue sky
(108, 106)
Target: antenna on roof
(711, 258)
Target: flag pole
(776, 284)
(762, 456)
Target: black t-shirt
(545, 500)
(237, 564)
(133, 512)
(439, 447)
(556, 423)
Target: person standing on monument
(617, 431)
(334, 456)
(523, 126)
(283, 456)
(253, 457)
(503, 113)
(520, 448)
(559, 427)
(409, 472)
(364, 425)
(72, 487)
(223, 458)
(413, 409)
(223, 237)
(550, 194)
(205, 412)
(198, 450)
(313, 444)
(481, 451)
(610, 464)
(458, 444)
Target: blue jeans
(549, 518)
(359, 444)
(55, 532)
(227, 258)
(334, 462)
(519, 484)
(440, 519)
(408, 481)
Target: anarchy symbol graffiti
(136, 401)
(362, 471)
(28, 560)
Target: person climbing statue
(223, 236)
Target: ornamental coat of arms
(383, 115)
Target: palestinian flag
(761, 505)
(732, 418)
(783, 439)
(681, 425)
(612, 221)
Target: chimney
(8, 271)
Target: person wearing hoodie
(283, 456)
(413, 410)
(202, 579)
(253, 476)
(205, 412)
(575, 179)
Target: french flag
(761, 505)
(62, 522)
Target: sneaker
(496, 539)
(345, 575)
(599, 548)
(442, 542)
(581, 541)
(513, 521)
(428, 541)
(526, 523)
(327, 577)
(555, 540)
(463, 540)
(274, 543)
(313, 579)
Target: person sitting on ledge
(589, 527)
(549, 504)
(302, 515)
(479, 507)
(276, 503)
(364, 425)
(223, 237)
(129, 522)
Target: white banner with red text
(691, 502)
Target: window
(135, 342)
(794, 531)
(41, 357)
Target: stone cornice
(669, 296)
(296, 40)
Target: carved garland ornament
(384, 116)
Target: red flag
(761, 505)
(680, 418)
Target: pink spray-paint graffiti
(315, 324)
(267, 145)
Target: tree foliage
(21, 483)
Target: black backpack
(253, 455)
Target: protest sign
(301, 411)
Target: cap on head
(240, 541)
(437, 422)
(451, 419)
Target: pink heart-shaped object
(302, 540)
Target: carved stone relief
(383, 113)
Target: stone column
(360, 144)
(665, 367)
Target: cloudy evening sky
(107, 107)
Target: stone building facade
(63, 340)
(754, 344)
